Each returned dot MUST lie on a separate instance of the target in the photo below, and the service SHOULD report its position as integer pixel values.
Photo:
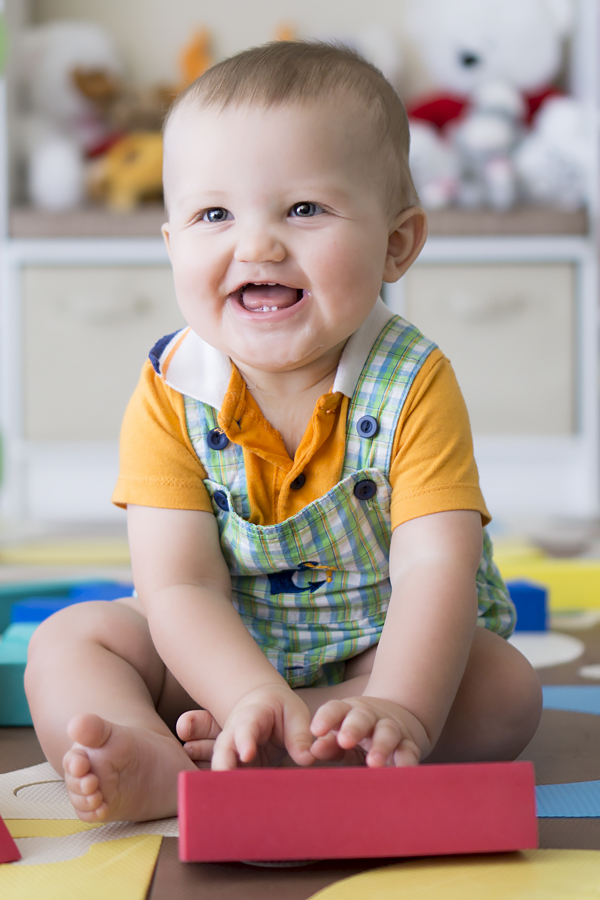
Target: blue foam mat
(576, 800)
(579, 800)
(583, 698)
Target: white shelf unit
(551, 474)
(547, 475)
(55, 479)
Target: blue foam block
(531, 603)
(583, 698)
(36, 609)
(100, 590)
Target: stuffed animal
(129, 172)
(60, 126)
(494, 64)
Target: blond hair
(302, 72)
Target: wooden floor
(566, 748)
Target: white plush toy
(60, 126)
(493, 64)
(554, 162)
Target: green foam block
(14, 709)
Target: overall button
(364, 490)
(367, 426)
(220, 498)
(298, 482)
(217, 439)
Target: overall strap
(380, 394)
(222, 459)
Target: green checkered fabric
(314, 590)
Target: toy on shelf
(196, 57)
(531, 603)
(491, 133)
(129, 172)
(60, 126)
(285, 31)
(88, 133)
(342, 813)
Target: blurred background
(503, 101)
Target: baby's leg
(497, 707)
(94, 682)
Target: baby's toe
(85, 786)
(197, 725)
(199, 751)
(76, 763)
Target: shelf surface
(95, 222)
(86, 222)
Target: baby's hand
(388, 733)
(262, 727)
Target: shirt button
(365, 490)
(217, 439)
(367, 426)
(298, 482)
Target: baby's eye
(305, 210)
(216, 214)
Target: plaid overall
(313, 591)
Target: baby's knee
(81, 620)
(523, 695)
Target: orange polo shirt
(432, 468)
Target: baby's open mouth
(268, 297)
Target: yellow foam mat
(28, 828)
(98, 551)
(530, 875)
(119, 870)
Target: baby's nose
(259, 244)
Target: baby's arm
(424, 645)
(184, 585)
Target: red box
(337, 813)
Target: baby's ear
(167, 236)
(408, 234)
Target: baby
(303, 505)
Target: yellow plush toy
(129, 172)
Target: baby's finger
(296, 734)
(224, 756)
(407, 754)
(387, 737)
(358, 725)
(327, 749)
(329, 717)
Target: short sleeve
(433, 468)
(158, 465)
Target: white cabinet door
(509, 331)
(87, 332)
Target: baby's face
(277, 230)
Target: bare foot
(199, 730)
(115, 772)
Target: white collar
(196, 369)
